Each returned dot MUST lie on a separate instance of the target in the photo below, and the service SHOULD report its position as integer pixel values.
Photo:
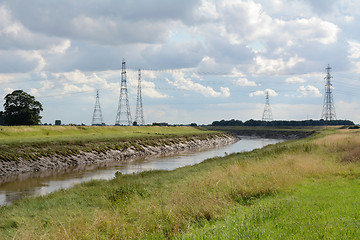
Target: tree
(21, 109)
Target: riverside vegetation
(33, 142)
(302, 189)
(44, 150)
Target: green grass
(33, 142)
(39, 134)
(315, 210)
(308, 186)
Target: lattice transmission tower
(97, 119)
(139, 115)
(267, 115)
(328, 112)
(123, 116)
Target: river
(38, 186)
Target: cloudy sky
(201, 60)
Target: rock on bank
(55, 164)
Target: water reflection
(37, 186)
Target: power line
(123, 101)
(328, 112)
(267, 114)
(97, 119)
(139, 115)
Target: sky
(200, 60)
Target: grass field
(304, 189)
(32, 142)
(36, 134)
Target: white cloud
(225, 91)
(36, 55)
(76, 77)
(307, 29)
(274, 66)
(241, 79)
(354, 50)
(349, 19)
(295, 80)
(271, 93)
(72, 88)
(21, 61)
(80, 77)
(14, 35)
(61, 48)
(206, 12)
(148, 74)
(46, 86)
(244, 82)
(181, 82)
(309, 91)
(244, 20)
(149, 90)
(11, 28)
(210, 65)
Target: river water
(38, 186)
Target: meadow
(32, 142)
(38, 134)
(303, 189)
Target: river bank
(22, 168)
(268, 132)
(42, 185)
(40, 151)
(210, 200)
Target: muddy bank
(287, 134)
(58, 164)
(276, 134)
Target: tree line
(281, 123)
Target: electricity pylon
(139, 115)
(123, 116)
(328, 112)
(267, 115)
(97, 119)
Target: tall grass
(167, 204)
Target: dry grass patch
(352, 156)
(346, 143)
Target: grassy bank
(38, 134)
(269, 132)
(315, 210)
(264, 193)
(32, 142)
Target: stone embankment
(58, 164)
